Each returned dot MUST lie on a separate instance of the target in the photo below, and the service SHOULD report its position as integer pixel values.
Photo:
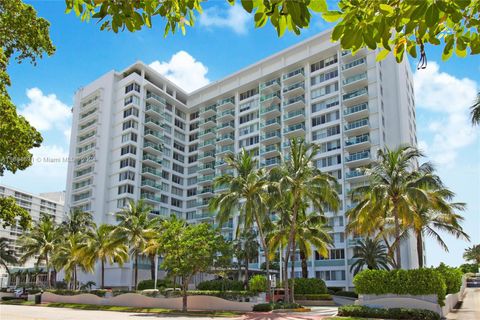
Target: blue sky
(223, 41)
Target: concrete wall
(137, 300)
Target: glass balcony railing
(358, 139)
(154, 133)
(355, 173)
(230, 124)
(269, 83)
(294, 100)
(294, 86)
(226, 101)
(151, 157)
(155, 97)
(225, 149)
(149, 196)
(226, 113)
(207, 143)
(212, 118)
(151, 183)
(212, 107)
(354, 78)
(270, 148)
(270, 96)
(266, 110)
(356, 93)
(354, 63)
(293, 73)
(152, 171)
(294, 114)
(356, 124)
(356, 108)
(270, 122)
(270, 162)
(205, 132)
(358, 156)
(151, 107)
(272, 134)
(208, 177)
(298, 126)
(155, 146)
(228, 136)
(151, 120)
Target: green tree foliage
(395, 26)
(452, 277)
(190, 249)
(372, 254)
(309, 286)
(23, 36)
(246, 249)
(11, 214)
(258, 283)
(7, 255)
(472, 254)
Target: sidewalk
(470, 309)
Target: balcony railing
(358, 156)
(270, 96)
(356, 93)
(270, 148)
(358, 139)
(270, 122)
(151, 157)
(298, 126)
(270, 162)
(208, 177)
(151, 183)
(152, 171)
(151, 107)
(226, 101)
(354, 63)
(228, 136)
(357, 77)
(155, 146)
(356, 124)
(355, 173)
(153, 133)
(294, 86)
(269, 83)
(294, 100)
(212, 107)
(293, 114)
(293, 73)
(156, 97)
(275, 107)
(271, 134)
(356, 108)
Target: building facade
(51, 203)
(136, 135)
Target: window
(132, 99)
(194, 126)
(176, 179)
(177, 156)
(248, 105)
(132, 86)
(327, 132)
(249, 93)
(193, 158)
(324, 90)
(329, 103)
(128, 149)
(248, 141)
(194, 116)
(324, 63)
(248, 117)
(165, 174)
(168, 106)
(178, 146)
(192, 181)
(126, 188)
(131, 136)
(324, 77)
(163, 198)
(329, 161)
(130, 111)
(177, 191)
(331, 275)
(330, 146)
(129, 162)
(180, 114)
(192, 169)
(324, 118)
(130, 124)
(123, 202)
(191, 192)
(193, 136)
(179, 124)
(167, 128)
(248, 129)
(193, 147)
(127, 175)
(178, 168)
(176, 202)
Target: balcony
(222, 151)
(152, 123)
(228, 103)
(355, 174)
(358, 158)
(151, 172)
(205, 179)
(206, 156)
(294, 130)
(294, 89)
(360, 141)
(271, 137)
(204, 192)
(150, 159)
(153, 135)
(295, 75)
(355, 111)
(273, 123)
(270, 111)
(208, 122)
(153, 110)
(150, 184)
(270, 85)
(294, 103)
(149, 196)
(355, 81)
(354, 65)
(206, 168)
(355, 97)
(226, 115)
(155, 148)
(207, 145)
(270, 99)
(226, 127)
(270, 162)
(220, 164)
(270, 150)
(294, 116)
(226, 138)
(357, 126)
(206, 112)
(155, 98)
(207, 133)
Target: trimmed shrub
(281, 305)
(149, 284)
(219, 285)
(228, 295)
(350, 294)
(470, 267)
(258, 283)
(263, 307)
(402, 282)
(12, 298)
(61, 292)
(323, 296)
(452, 277)
(393, 313)
(309, 286)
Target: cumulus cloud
(234, 18)
(46, 112)
(448, 98)
(183, 70)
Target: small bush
(335, 289)
(61, 292)
(12, 298)
(349, 294)
(227, 295)
(225, 285)
(393, 313)
(403, 282)
(452, 277)
(258, 283)
(309, 286)
(281, 305)
(263, 307)
(323, 296)
(149, 284)
(470, 267)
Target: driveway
(470, 309)
(14, 312)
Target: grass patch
(22, 302)
(143, 310)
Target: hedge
(12, 298)
(149, 284)
(265, 307)
(349, 294)
(64, 292)
(228, 295)
(309, 286)
(452, 277)
(322, 296)
(392, 313)
(402, 282)
(221, 285)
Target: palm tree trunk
(303, 257)
(397, 237)
(152, 267)
(136, 270)
(48, 272)
(291, 239)
(294, 251)
(246, 273)
(103, 274)
(285, 274)
(420, 248)
(265, 251)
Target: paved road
(470, 309)
(12, 312)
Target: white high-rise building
(136, 135)
(50, 203)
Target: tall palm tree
(311, 230)
(245, 194)
(105, 245)
(475, 111)
(394, 184)
(41, 242)
(136, 227)
(78, 221)
(370, 253)
(246, 248)
(472, 253)
(301, 181)
(7, 255)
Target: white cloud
(448, 99)
(46, 112)
(235, 18)
(183, 70)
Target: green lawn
(127, 309)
